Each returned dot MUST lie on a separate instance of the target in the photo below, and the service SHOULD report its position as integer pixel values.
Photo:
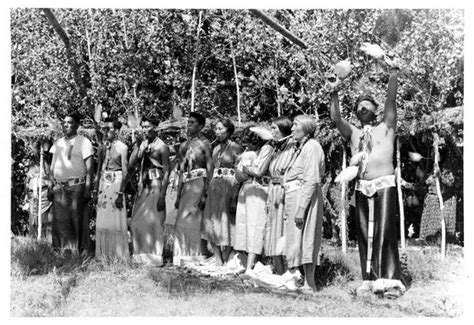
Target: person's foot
(249, 274)
(306, 289)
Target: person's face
(221, 132)
(109, 131)
(148, 129)
(297, 131)
(70, 126)
(193, 126)
(276, 133)
(365, 111)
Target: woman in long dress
(304, 201)
(280, 160)
(111, 223)
(250, 217)
(218, 220)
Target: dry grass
(46, 283)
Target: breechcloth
(376, 203)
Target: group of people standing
(259, 196)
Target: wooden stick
(236, 80)
(437, 173)
(282, 30)
(195, 63)
(40, 186)
(400, 197)
(124, 30)
(343, 205)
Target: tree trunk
(437, 174)
(400, 196)
(342, 213)
(193, 83)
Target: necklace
(220, 155)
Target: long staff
(40, 186)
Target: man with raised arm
(149, 213)
(195, 166)
(372, 146)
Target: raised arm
(342, 125)
(390, 110)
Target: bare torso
(194, 152)
(153, 156)
(380, 161)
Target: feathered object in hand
(262, 132)
(98, 113)
(132, 121)
(357, 158)
(246, 159)
(347, 174)
(343, 69)
(177, 113)
(373, 50)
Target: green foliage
(141, 61)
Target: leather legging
(385, 262)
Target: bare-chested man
(195, 164)
(149, 213)
(376, 195)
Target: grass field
(44, 283)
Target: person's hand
(392, 62)
(119, 201)
(333, 86)
(299, 222)
(160, 206)
(299, 219)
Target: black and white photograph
(255, 161)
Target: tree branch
(282, 30)
(64, 37)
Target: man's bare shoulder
(385, 128)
